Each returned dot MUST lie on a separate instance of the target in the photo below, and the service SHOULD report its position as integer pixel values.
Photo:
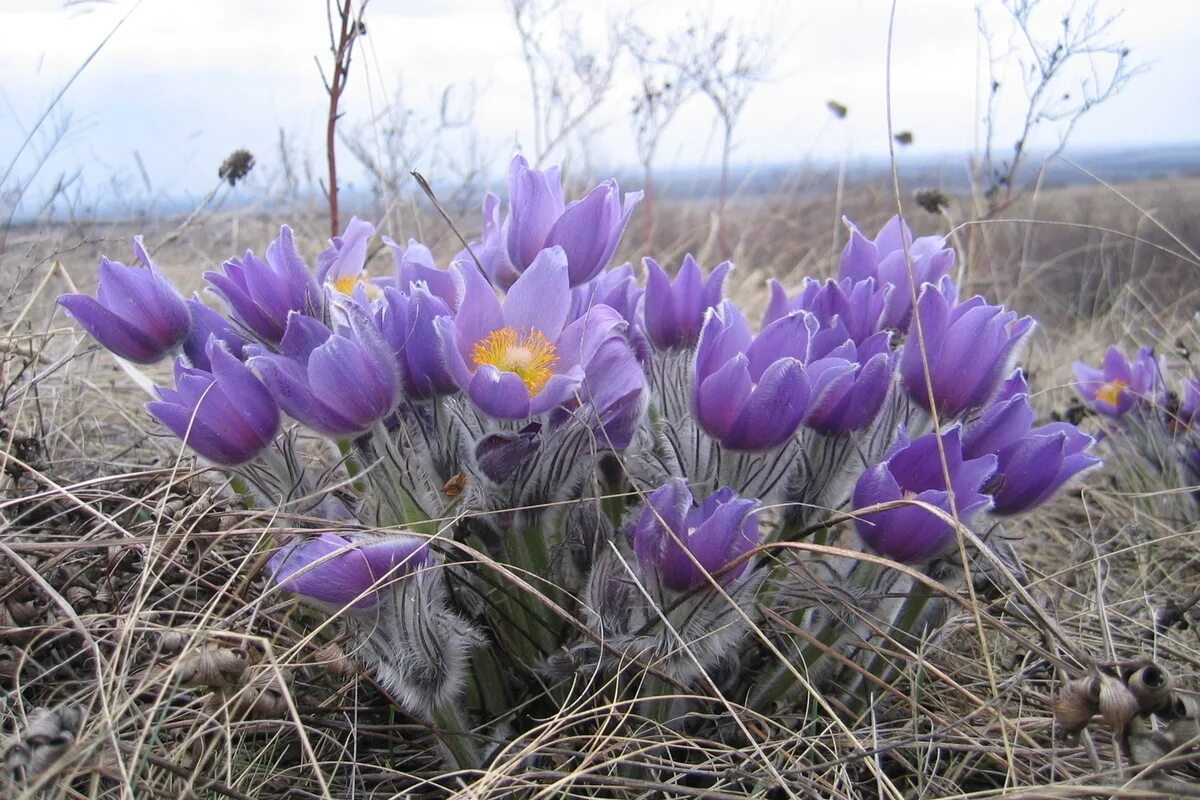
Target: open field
(134, 602)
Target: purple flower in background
(407, 321)
(262, 293)
(614, 391)
(1121, 384)
(335, 572)
(339, 384)
(1188, 414)
(849, 382)
(492, 249)
(223, 413)
(858, 306)
(415, 264)
(914, 471)
(512, 359)
(136, 313)
(969, 348)
(674, 309)
(587, 230)
(681, 544)
(752, 393)
(888, 261)
(618, 289)
(208, 323)
(341, 265)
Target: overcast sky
(181, 84)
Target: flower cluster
(629, 450)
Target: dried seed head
(214, 665)
(50, 733)
(334, 660)
(1078, 702)
(171, 642)
(1152, 686)
(236, 166)
(1118, 705)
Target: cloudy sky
(181, 84)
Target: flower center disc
(1111, 392)
(529, 356)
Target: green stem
(450, 730)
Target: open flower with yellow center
(1121, 383)
(521, 357)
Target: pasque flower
(262, 293)
(339, 384)
(1120, 384)
(674, 310)
(522, 357)
(849, 381)
(897, 262)
(1032, 463)
(136, 314)
(207, 323)
(752, 392)
(415, 264)
(969, 348)
(588, 230)
(224, 413)
(336, 572)
(407, 320)
(343, 263)
(492, 249)
(857, 305)
(914, 470)
(681, 544)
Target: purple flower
(1188, 414)
(1032, 463)
(208, 323)
(335, 572)
(261, 294)
(341, 265)
(614, 388)
(681, 544)
(884, 259)
(587, 230)
(415, 264)
(225, 414)
(675, 310)
(849, 382)
(858, 306)
(407, 321)
(751, 393)
(339, 384)
(136, 313)
(492, 249)
(969, 348)
(1121, 384)
(521, 358)
(914, 471)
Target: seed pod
(1118, 705)
(1152, 686)
(1078, 702)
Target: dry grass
(134, 603)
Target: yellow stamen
(348, 284)
(1111, 392)
(530, 357)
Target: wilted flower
(968, 347)
(407, 321)
(136, 313)
(415, 264)
(339, 384)
(1121, 384)
(752, 392)
(675, 309)
(521, 357)
(1032, 463)
(587, 230)
(681, 544)
(914, 471)
(208, 323)
(261, 294)
(223, 413)
(888, 261)
(335, 572)
(341, 265)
